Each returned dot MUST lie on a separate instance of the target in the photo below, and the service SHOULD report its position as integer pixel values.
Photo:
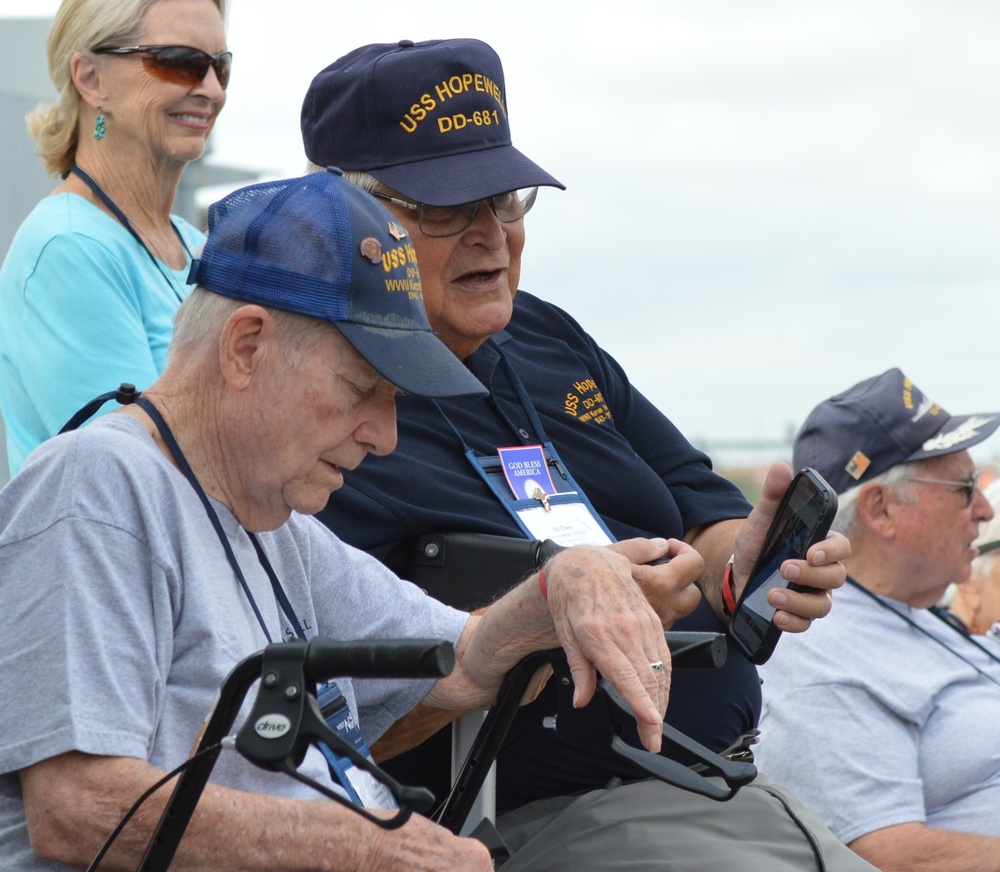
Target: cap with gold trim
(879, 423)
(428, 119)
(319, 246)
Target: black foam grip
(380, 658)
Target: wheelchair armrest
(697, 650)
(734, 773)
(455, 810)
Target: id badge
(361, 787)
(540, 508)
(566, 522)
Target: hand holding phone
(803, 518)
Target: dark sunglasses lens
(181, 66)
(187, 66)
(222, 64)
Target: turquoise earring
(100, 127)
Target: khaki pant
(649, 825)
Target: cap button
(406, 43)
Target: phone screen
(795, 526)
(803, 518)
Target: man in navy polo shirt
(424, 128)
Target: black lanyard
(279, 592)
(123, 218)
(961, 634)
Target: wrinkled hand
(605, 624)
(821, 571)
(669, 587)
(421, 845)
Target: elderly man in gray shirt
(883, 716)
(145, 555)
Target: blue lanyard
(330, 697)
(116, 210)
(279, 592)
(536, 422)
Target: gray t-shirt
(874, 723)
(121, 615)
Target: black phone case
(761, 652)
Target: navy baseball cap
(428, 119)
(319, 246)
(879, 423)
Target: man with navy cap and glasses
(424, 127)
(876, 716)
(144, 556)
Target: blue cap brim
(413, 360)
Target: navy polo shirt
(639, 472)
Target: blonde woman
(92, 279)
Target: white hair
(358, 178)
(894, 477)
(200, 319)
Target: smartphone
(803, 518)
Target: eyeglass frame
(970, 485)
(215, 61)
(468, 207)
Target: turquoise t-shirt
(82, 308)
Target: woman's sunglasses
(178, 64)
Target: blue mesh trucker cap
(319, 246)
(879, 423)
(428, 119)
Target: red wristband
(542, 585)
(728, 594)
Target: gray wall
(24, 80)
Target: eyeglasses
(969, 485)
(451, 220)
(178, 64)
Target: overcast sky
(767, 201)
